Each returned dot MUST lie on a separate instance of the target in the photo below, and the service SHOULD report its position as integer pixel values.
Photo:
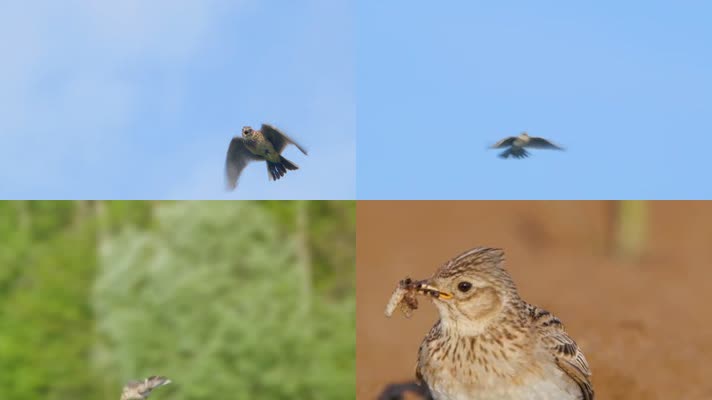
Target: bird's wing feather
(236, 160)
(278, 139)
(569, 357)
(151, 383)
(541, 143)
(504, 142)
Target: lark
(491, 344)
(516, 145)
(135, 390)
(266, 145)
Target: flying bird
(266, 145)
(516, 145)
(139, 390)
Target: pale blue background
(626, 86)
(138, 99)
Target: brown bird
(267, 145)
(491, 344)
(516, 145)
(135, 390)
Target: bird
(266, 145)
(491, 344)
(516, 145)
(139, 390)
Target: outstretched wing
(278, 139)
(151, 383)
(237, 158)
(541, 143)
(504, 142)
(567, 354)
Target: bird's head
(524, 134)
(472, 290)
(247, 131)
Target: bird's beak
(433, 291)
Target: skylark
(135, 390)
(516, 145)
(491, 344)
(267, 145)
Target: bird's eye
(464, 286)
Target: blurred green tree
(218, 296)
(256, 298)
(47, 264)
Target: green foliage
(48, 262)
(212, 299)
(44, 301)
(230, 299)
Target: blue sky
(135, 99)
(626, 87)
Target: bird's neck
(486, 325)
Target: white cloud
(66, 91)
(162, 28)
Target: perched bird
(491, 344)
(135, 390)
(267, 145)
(516, 145)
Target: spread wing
(567, 354)
(237, 158)
(541, 143)
(278, 139)
(153, 382)
(143, 388)
(504, 142)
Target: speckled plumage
(266, 145)
(491, 344)
(139, 390)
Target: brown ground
(644, 325)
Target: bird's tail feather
(516, 152)
(277, 170)
(288, 164)
(520, 153)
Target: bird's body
(516, 145)
(266, 145)
(259, 145)
(491, 344)
(139, 390)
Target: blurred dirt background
(642, 319)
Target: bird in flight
(139, 390)
(266, 145)
(516, 145)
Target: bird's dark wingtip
(397, 391)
